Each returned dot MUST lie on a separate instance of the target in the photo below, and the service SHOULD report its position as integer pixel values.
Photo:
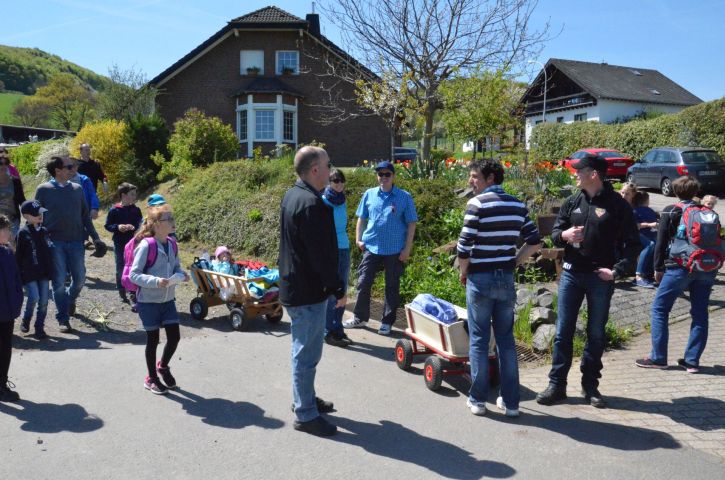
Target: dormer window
(288, 62)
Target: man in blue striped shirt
(487, 255)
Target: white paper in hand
(176, 279)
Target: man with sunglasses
(385, 230)
(67, 220)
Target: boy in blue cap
(385, 230)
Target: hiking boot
(40, 333)
(323, 406)
(7, 395)
(122, 295)
(155, 386)
(595, 398)
(72, 309)
(649, 363)
(509, 412)
(166, 376)
(25, 325)
(478, 409)
(688, 366)
(65, 328)
(335, 339)
(317, 426)
(354, 323)
(385, 329)
(551, 395)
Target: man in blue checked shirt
(385, 230)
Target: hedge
(702, 125)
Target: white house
(584, 91)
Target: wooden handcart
(216, 288)
(446, 348)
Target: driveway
(657, 202)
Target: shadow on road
(219, 320)
(220, 412)
(701, 413)
(52, 418)
(393, 440)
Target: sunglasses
(166, 219)
(385, 174)
(337, 180)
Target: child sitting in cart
(223, 262)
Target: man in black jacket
(308, 277)
(597, 229)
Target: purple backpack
(150, 259)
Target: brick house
(266, 74)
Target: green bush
(25, 157)
(702, 125)
(198, 141)
(147, 136)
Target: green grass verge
(7, 102)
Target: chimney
(314, 24)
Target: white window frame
(278, 67)
(247, 63)
(249, 109)
(273, 138)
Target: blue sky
(682, 39)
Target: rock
(542, 290)
(546, 299)
(541, 316)
(523, 295)
(543, 337)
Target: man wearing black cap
(593, 226)
(385, 230)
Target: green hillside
(25, 69)
(7, 100)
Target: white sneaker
(384, 329)
(476, 408)
(509, 412)
(354, 323)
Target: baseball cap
(595, 162)
(155, 200)
(385, 165)
(32, 207)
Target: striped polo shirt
(493, 223)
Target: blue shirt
(388, 215)
(646, 215)
(339, 212)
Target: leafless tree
(126, 95)
(429, 41)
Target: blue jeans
(490, 297)
(675, 281)
(334, 315)
(307, 326)
(67, 256)
(573, 287)
(645, 264)
(118, 255)
(37, 293)
(368, 268)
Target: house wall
(210, 83)
(605, 111)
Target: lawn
(7, 101)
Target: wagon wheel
(274, 317)
(433, 373)
(198, 309)
(238, 317)
(403, 354)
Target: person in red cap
(597, 229)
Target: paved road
(658, 201)
(85, 414)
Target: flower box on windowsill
(253, 71)
(288, 71)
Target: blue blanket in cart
(441, 310)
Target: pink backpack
(150, 259)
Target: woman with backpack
(688, 254)
(156, 270)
